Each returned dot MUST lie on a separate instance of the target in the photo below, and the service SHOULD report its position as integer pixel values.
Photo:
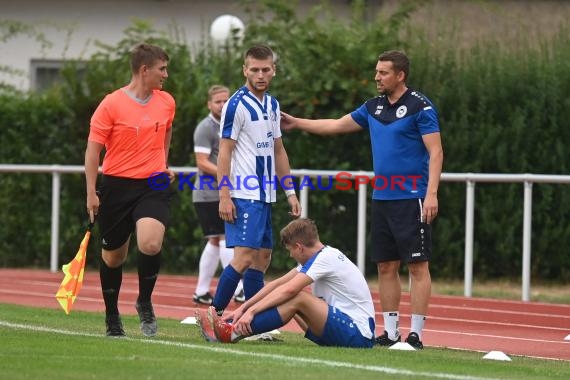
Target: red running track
(516, 328)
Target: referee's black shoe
(114, 326)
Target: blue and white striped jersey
(254, 125)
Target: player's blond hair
(300, 230)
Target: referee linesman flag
(73, 280)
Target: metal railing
(470, 179)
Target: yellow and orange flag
(71, 284)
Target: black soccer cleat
(114, 326)
(414, 340)
(204, 299)
(384, 341)
(147, 318)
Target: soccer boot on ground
(204, 299)
(114, 326)
(147, 318)
(384, 341)
(222, 329)
(414, 340)
(206, 328)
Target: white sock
(226, 257)
(392, 324)
(207, 269)
(418, 322)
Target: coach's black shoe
(147, 318)
(414, 340)
(114, 326)
(204, 299)
(384, 341)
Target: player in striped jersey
(252, 163)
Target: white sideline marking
(282, 358)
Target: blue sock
(226, 287)
(265, 321)
(252, 282)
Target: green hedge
(502, 110)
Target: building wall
(73, 26)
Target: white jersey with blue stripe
(341, 284)
(254, 125)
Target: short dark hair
(399, 60)
(259, 52)
(301, 230)
(146, 54)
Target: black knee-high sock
(148, 268)
(111, 279)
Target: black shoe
(384, 341)
(204, 299)
(414, 340)
(114, 325)
(147, 318)
(240, 297)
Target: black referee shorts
(209, 218)
(123, 202)
(397, 233)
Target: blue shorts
(252, 227)
(340, 331)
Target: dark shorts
(209, 218)
(123, 202)
(397, 233)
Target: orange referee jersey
(133, 133)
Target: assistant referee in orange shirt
(134, 125)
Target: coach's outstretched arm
(345, 124)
